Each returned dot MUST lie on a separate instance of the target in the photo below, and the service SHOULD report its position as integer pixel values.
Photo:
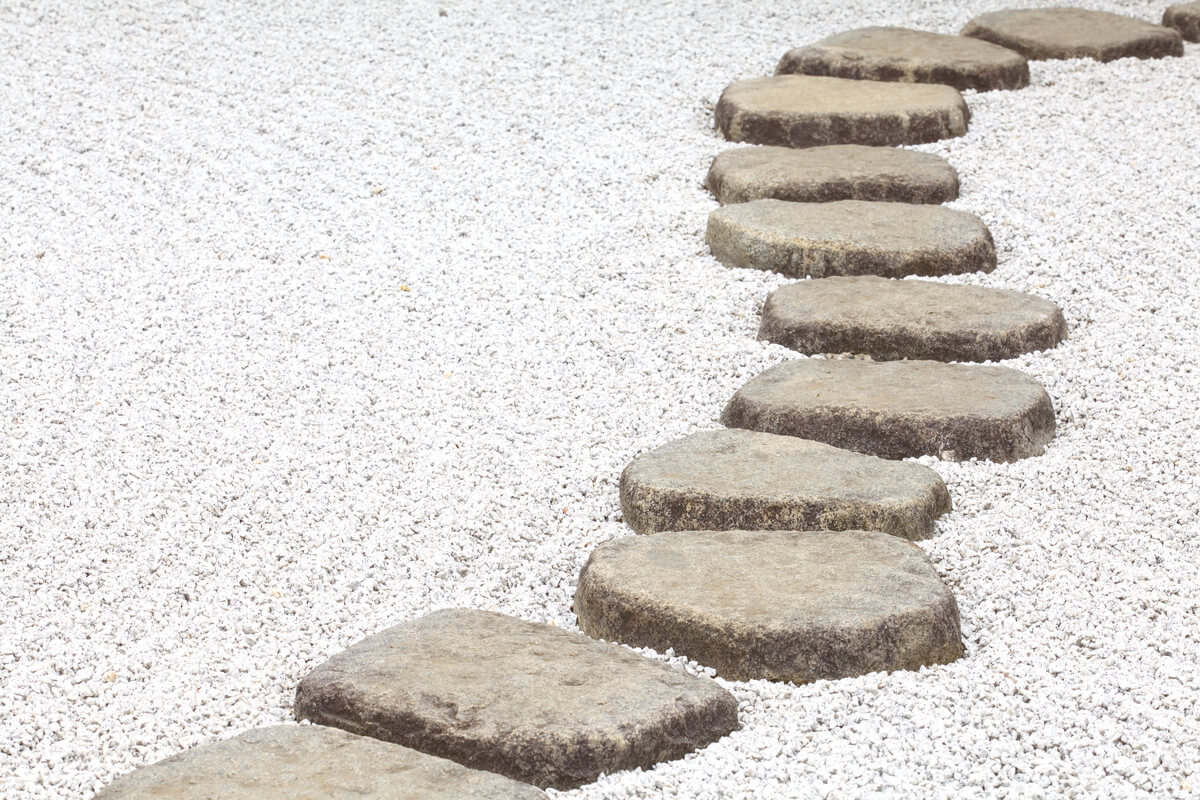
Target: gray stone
(850, 237)
(527, 700)
(807, 111)
(775, 605)
(826, 174)
(731, 479)
(310, 762)
(909, 56)
(898, 409)
(1185, 18)
(1052, 33)
(889, 319)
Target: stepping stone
(310, 762)
(775, 605)
(836, 172)
(527, 700)
(1054, 33)
(908, 56)
(889, 319)
(850, 237)
(1185, 18)
(737, 479)
(807, 111)
(898, 409)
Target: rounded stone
(890, 319)
(827, 174)
(807, 111)
(526, 700)
(909, 56)
(775, 605)
(1056, 33)
(899, 409)
(739, 479)
(1185, 18)
(310, 762)
(850, 237)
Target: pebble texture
(523, 699)
(826, 174)
(807, 111)
(909, 56)
(850, 237)
(310, 762)
(898, 409)
(780, 605)
(1054, 33)
(889, 319)
(739, 479)
(1185, 18)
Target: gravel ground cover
(318, 316)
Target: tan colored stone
(1054, 33)
(890, 319)
(1185, 18)
(806, 111)
(909, 56)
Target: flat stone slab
(1185, 18)
(807, 111)
(739, 479)
(310, 762)
(850, 237)
(1055, 33)
(826, 174)
(523, 699)
(889, 319)
(775, 605)
(909, 56)
(898, 409)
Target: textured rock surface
(527, 700)
(779, 605)
(850, 237)
(1185, 18)
(909, 56)
(897, 409)
(730, 479)
(807, 111)
(310, 762)
(889, 319)
(826, 174)
(1046, 33)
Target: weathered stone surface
(1185, 18)
(731, 479)
(310, 762)
(897, 409)
(909, 56)
(779, 605)
(807, 111)
(850, 237)
(527, 700)
(826, 174)
(890, 319)
(1052, 33)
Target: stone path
(898, 409)
(1053, 33)
(902, 54)
(826, 174)
(1185, 18)
(780, 605)
(310, 762)
(850, 237)
(526, 700)
(806, 111)
(740, 479)
(889, 319)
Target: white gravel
(317, 316)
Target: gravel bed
(317, 316)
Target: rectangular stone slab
(1055, 33)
